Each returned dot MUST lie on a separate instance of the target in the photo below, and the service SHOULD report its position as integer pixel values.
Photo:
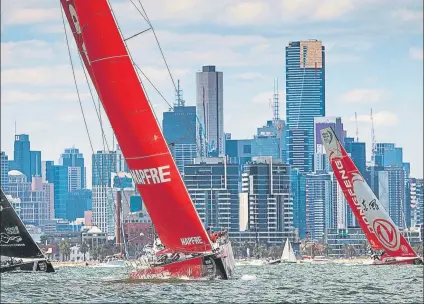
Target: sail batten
(133, 121)
(374, 220)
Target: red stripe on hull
(192, 268)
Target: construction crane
(357, 132)
(373, 145)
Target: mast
(374, 220)
(137, 131)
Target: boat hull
(399, 261)
(209, 266)
(40, 265)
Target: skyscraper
(103, 165)
(4, 167)
(210, 112)
(22, 155)
(179, 129)
(35, 163)
(305, 99)
(74, 160)
(357, 153)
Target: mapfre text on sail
(157, 175)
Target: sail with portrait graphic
(379, 228)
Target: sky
(374, 59)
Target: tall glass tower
(305, 99)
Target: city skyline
(359, 75)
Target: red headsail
(136, 128)
(374, 220)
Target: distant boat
(388, 245)
(17, 247)
(287, 256)
(288, 253)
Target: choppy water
(298, 283)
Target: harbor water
(283, 283)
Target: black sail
(15, 241)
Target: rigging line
(145, 17)
(82, 110)
(156, 38)
(161, 95)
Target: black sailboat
(16, 244)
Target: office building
(74, 160)
(266, 184)
(305, 99)
(4, 168)
(210, 112)
(213, 187)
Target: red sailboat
(153, 169)
(380, 230)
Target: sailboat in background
(288, 253)
(374, 220)
(17, 248)
(145, 150)
(287, 256)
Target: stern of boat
(225, 262)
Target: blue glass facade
(298, 192)
(35, 163)
(357, 153)
(78, 201)
(305, 99)
(60, 181)
(388, 154)
(103, 164)
(22, 155)
(179, 129)
(238, 151)
(4, 168)
(73, 158)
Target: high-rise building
(357, 153)
(33, 204)
(22, 155)
(320, 158)
(103, 165)
(213, 187)
(387, 154)
(305, 99)
(121, 164)
(35, 163)
(210, 112)
(74, 160)
(269, 140)
(419, 192)
(78, 202)
(179, 129)
(4, 168)
(266, 182)
(319, 204)
(298, 192)
(61, 186)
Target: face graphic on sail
(372, 217)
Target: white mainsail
(288, 253)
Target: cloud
(365, 96)
(382, 118)
(416, 53)
(249, 76)
(247, 13)
(30, 15)
(408, 15)
(324, 10)
(60, 75)
(16, 97)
